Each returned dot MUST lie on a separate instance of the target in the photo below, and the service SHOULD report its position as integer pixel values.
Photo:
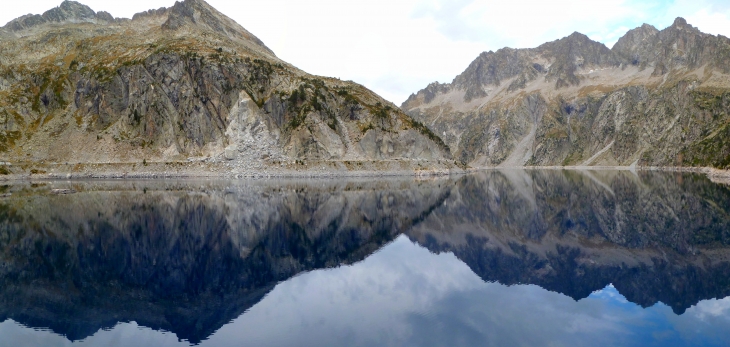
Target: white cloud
(397, 47)
(711, 308)
(404, 295)
(716, 23)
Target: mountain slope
(187, 86)
(657, 98)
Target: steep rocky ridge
(185, 85)
(67, 12)
(657, 98)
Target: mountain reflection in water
(198, 258)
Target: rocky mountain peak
(68, 11)
(579, 45)
(572, 53)
(577, 36)
(428, 94)
(558, 61)
(678, 46)
(628, 46)
(490, 68)
(202, 15)
(680, 25)
(565, 55)
(679, 22)
(574, 101)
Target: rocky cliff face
(657, 98)
(184, 84)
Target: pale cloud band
(397, 47)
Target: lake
(494, 258)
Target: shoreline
(180, 170)
(214, 170)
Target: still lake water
(497, 258)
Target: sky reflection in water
(191, 259)
(403, 295)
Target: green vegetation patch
(713, 151)
(379, 110)
(311, 95)
(7, 139)
(428, 133)
(718, 103)
(50, 84)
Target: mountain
(657, 98)
(184, 88)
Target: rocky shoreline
(158, 170)
(182, 170)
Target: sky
(396, 48)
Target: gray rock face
(634, 44)
(565, 56)
(679, 46)
(572, 53)
(657, 98)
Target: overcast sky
(397, 47)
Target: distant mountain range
(657, 98)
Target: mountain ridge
(565, 102)
(186, 90)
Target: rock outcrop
(67, 12)
(184, 84)
(657, 98)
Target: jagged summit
(200, 13)
(680, 45)
(564, 62)
(68, 11)
(183, 13)
(656, 98)
(574, 52)
(628, 45)
(679, 22)
(557, 62)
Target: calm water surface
(498, 258)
